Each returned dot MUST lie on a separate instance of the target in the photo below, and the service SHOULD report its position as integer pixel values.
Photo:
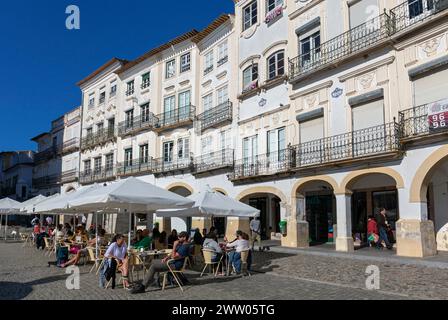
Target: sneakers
(138, 289)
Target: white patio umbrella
(212, 204)
(27, 207)
(8, 206)
(131, 195)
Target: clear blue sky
(42, 60)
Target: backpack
(61, 256)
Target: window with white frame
(113, 89)
(130, 88)
(207, 102)
(223, 53)
(183, 148)
(208, 62)
(170, 69)
(109, 162)
(97, 165)
(276, 144)
(272, 4)
(129, 121)
(146, 80)
(226, 139)
(168, 148)
(310, 49)
(418, 7)
(91, 100)
(250, 149)
(276, 64)
(250, 76)
(250, 13)
(223, 95)
(87, 167)
(185, 62)
(144, 153)
(103, 95)
(206, 145)
(128, 157)
(144, 112)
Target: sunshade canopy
(8, 205)
(131, 194)
(212, 204)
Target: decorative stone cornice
(305, 8)
(367, 68)
(305, 92)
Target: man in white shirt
(255, 229)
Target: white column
(344, 240)
(411, 211)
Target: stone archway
(352, 177)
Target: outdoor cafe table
(145, 257)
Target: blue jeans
(103, 273)
(235, 260)
(383, 236)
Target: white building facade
(317, 112)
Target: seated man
(180, 252)
(145, 242)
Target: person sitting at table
(118, 250)
(138, 237)
(57, 233)
(180, 252)
(172, 238)
(214, 231)
(145, 241)
(67, 230)
(197, 238)
(240, 244)
(100, 242)
(161, 243)
(211, 244)
(80, 236)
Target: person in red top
(372, 230)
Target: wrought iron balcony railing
(263, 165)
(415, 122)
(48, 154)
(97, 175)
(343, 46)
(137, 124)
(174, 118)
(220, 159)
(69, 176)
(145, 84)
(100, 137)
(370, 142)
(47, 181)
(163, 165)
(136, 166)
(222, 61)
(70, 145)
(216, 116)
(412, 12)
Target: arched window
(250, 75)
(276, 64)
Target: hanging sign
(438, 116)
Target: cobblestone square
(24, 274)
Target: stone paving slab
(24, 274)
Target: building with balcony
(16, 174)
(70, 150)
(99, 111)
(48, 160)
(316, 112)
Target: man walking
(255, 233)
(382, 229)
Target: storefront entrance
(370, 202)
(321, 217)
(269, 214)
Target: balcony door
(250, 155)
(311, 150)
(128, 158)
(419, 8)
(184, 105)
(183, 150)
(169, 110)
(361, 14)
(276, 147)
(129, 119)
(168, 148)
(369, 134)
(309, 49)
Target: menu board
(438, 116)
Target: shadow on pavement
(19, 291)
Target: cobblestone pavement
(24, 274)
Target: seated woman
(138, 237)
(172, 238)
(180, 252)
(100, 242)
(211, 244)
(79, 237)
(145, 241)
(58, 234)
(240, 244)
(118, 250)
